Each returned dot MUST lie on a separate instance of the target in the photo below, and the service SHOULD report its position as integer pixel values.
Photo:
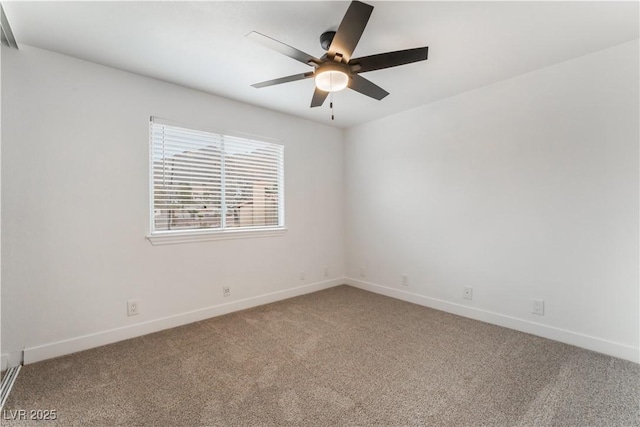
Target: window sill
(206, 236)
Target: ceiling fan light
(331, 80)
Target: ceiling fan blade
(285, 49)
(318, 97)
(281, 80)
(350, 30)
(365, 87)
(388, 60)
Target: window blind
(207, 181)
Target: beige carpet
(337, 357)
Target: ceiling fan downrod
(326, 38)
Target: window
(203, 182)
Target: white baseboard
(10, 360)
(73, 345)
(600, 345)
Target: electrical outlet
(467, 292)
(405, 280)
(326, 272)
(363, 272)
(133, 307)
(302, 275)
(226, 291)
(537, 306)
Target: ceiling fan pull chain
(331, 104)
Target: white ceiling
(201, 45)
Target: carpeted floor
(337, 357)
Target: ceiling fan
(336, 69)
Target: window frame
(207, 234)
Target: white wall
(524, 189)
(75, 208)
